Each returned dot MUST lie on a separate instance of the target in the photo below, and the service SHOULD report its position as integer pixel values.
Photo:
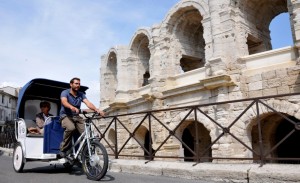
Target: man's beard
(75, 89)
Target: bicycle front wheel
(95, 166)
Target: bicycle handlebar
(85, 114)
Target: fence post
(116, 139)
(197, 136)
(150, 137)
(259, 135)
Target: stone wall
(204, 51)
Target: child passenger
(41, 118)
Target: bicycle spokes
(96, 164)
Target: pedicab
(86, 148)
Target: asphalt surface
(36, 172)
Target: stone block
(283, 90)
(244, 87)
(274, 82)
(235, 95)
(255, 86)
(257, 93)
(265, 84)
(295, 89)
(291, 80)
(281, 73)
(254, 78)
(269, 75)
(293, 71)
(270, 91)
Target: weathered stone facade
(8, 105)
(205, 51)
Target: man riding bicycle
(69, 113)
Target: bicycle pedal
(70, 158)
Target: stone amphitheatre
(216, 55)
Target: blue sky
(65, 38)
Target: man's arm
(66, 104)
(92, 107)
(39, 122)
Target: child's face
(45, 109)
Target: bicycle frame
(86, 136)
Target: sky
(62, 39)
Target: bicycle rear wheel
(95, 166)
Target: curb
(242, 173)
(6, 151)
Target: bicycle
(91, 153)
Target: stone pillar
(295, 22)
(223, 30)
(104, 100)
(122, 74)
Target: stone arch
(172, 15)
(274, 128)
(140, 53)
(142, 31)
(187, 132)
(111, 136)
(271, 124)
(209, 125)
(142, 135)
(258, 15)
(283, 20)
(189, 140)
(185, 25)
(110, 76)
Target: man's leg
(69, 126)
(79, 123)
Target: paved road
(36, 172)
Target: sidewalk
(6, 151)
(213, 172)
(244, 173)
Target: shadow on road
(55, 169)
(107, 178)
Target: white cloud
(62, 39)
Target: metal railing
(252, 109)
(7, 137)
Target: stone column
(294, 7)
(122, 74)
(104, 98)
(223, 37)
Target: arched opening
(189, 63)
(110, 77)
(188, 139)
(198, 144)
(112, 137)
(255, 45)
(143, 137)
(259, 15)
(281, 34)
(141, 51)
(146, 77)
(190, 41)
(290, 147)
(275, 140)
(147, 146)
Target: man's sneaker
(62, 154)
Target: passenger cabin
(30, 96)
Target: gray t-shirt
(73, 100)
